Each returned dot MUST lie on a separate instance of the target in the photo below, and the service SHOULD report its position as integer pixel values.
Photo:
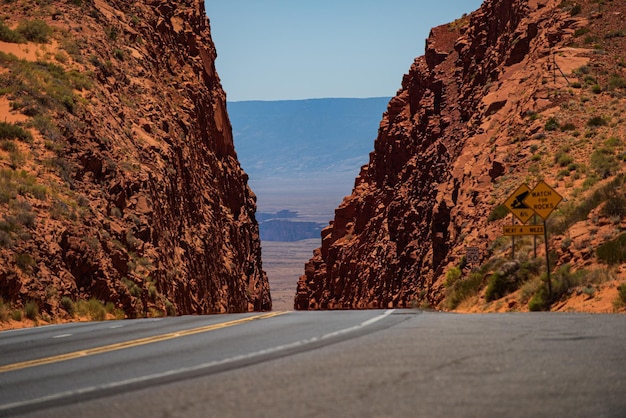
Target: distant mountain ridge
(287, 138)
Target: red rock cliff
(145, 203)
(442, 147)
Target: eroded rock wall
(428, 183)
(164, 219)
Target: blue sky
(294, 49)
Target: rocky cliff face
(129, 190)
(466, 128)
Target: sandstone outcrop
(142, 202)
(464, 130)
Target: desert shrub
(24, 261)
(132, 287)
(498, 286)
(31, 310)
(452, 276)
(604, 162)
(111, 309)
(614, 251)
(596, 121)
(575, 10)
(572, 213)
(68, 305)
(551, 125)
(40, 86)
(170, 309)
(16, 315)
(540, 300)
(564, 280)
(615, 206)
(499, 212)
(97, 312)
(589, 39)
(35, 30)
(11, 131)
(616, 82)
(568, 127)
(92, 309)
(462, 289)
(581, 31)
(5, 239)
(152, 292)
(615, 34)
(563, 159)
(8, 35)
(510, 277)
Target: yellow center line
(132, 343)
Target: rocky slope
(120, 182)
(518, 91)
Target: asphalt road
(320, 364)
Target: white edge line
(198, 367)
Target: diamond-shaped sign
(515, 204)
(543, 199)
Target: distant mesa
(282, 226)
(281, 214)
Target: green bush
(604, 162)
(581, 31)
(562, 282)
(452, 276)
(31, 310)
(614, 251)
(615, 206)
(11, 131)
(498, 286)
(132, 287)
(616, 82)
(540, 300)
(170, 309)
(8, 35)
(97, 311)
(572, 213)
(596, 121)
(24, 261)
(510, 277)
(551, 125)
(68, 305)
(35, 30)
(462, 289)
(92, 309)
(16, 315)
(563, 159)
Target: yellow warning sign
(543, 199)
(515, 204)
(514, 230)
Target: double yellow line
(132, 343)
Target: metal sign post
(543, 199)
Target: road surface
(393, 363)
